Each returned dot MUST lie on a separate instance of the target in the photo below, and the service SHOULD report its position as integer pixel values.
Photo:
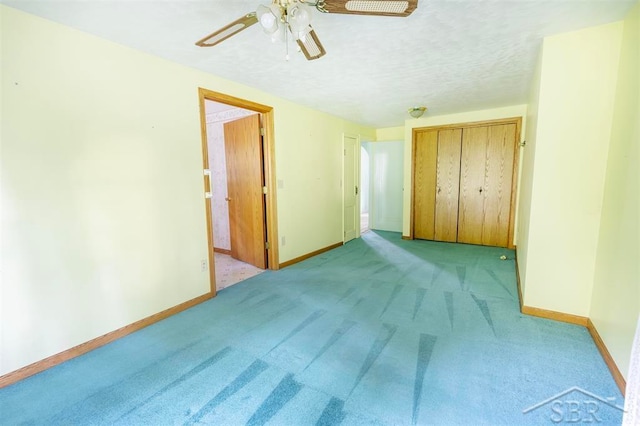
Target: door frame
(266, 119)
(516, 165)
(357, 183)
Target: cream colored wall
(102, 191)
(309, 174)
(390, 134)
(426, 121)
(577, 88)
(527, 163)
(616, 291)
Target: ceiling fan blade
(369, 7)
(227, 31)
(311, 46)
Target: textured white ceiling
(451, 56)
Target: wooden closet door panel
(472, 176)
(447, 185)
(424, 183)
(498, 184)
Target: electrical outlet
(284, 241)
(203, 265)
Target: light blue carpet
(380, 331)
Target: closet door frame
(516, 164)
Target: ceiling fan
(284, 17)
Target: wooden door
(245, 181)
(447, 185)
(424, 183)
(486, 173)
(350, 188)
(472, 169)
(498, 183)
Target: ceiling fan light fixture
(416, 112)
(279, 35)
(269, 17)
(282, 17)
(298, 17)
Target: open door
(245, 184)
(350, 188)
(267, 166)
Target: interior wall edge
(518, 280)
(81, 349)
(389, 134)
(562, 205)
(616, 294)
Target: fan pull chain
(286, 40)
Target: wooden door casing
(245, 181)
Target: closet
(464, 182)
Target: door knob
(227, 198)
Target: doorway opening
(238, 162)
(364, 188)
(350, 190)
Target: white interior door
(350, 187)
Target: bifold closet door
(486, 177)
(424, 184)
(447, 185)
